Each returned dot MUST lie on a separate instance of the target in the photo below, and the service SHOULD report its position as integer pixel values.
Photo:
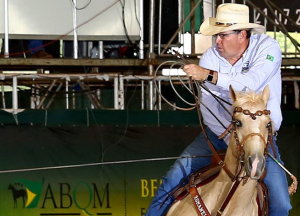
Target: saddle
(209, 173)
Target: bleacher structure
(92, 76)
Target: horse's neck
(13, 188)
(242, 202)
(214, 193)
(223, 183)
(231, 158)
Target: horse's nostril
(249, 160)
(250, 163)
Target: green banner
(198, 15)
(60, 170)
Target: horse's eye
(238, 123)
(269, 125)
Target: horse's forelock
(248, 97)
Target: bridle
(241, 152)
(240, 145)
(253, 115)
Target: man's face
(228, 43)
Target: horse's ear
(266, 94)
(233, 94)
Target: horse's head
(252, 129)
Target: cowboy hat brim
(210, 28)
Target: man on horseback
(244, 61)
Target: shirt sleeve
(208, 59)
(209, 105)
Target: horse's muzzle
(255, 166)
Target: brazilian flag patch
(270, 58)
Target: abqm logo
(26, 192)
(81, 196)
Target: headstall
(252, 115)
(240, 145)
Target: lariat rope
(98, 164)
(293, 187)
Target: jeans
(275, 178)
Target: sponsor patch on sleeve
(270, 58)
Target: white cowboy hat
(230, 16)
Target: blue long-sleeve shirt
(259, 66)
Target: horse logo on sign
(18, 193)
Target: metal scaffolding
(115, 72)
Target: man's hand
(196, 72)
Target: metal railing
(44, 89)
(145, 84)
(279, 30)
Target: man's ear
(243, 34)
(233, 94)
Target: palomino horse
(244, 159)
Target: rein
(212, 148)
